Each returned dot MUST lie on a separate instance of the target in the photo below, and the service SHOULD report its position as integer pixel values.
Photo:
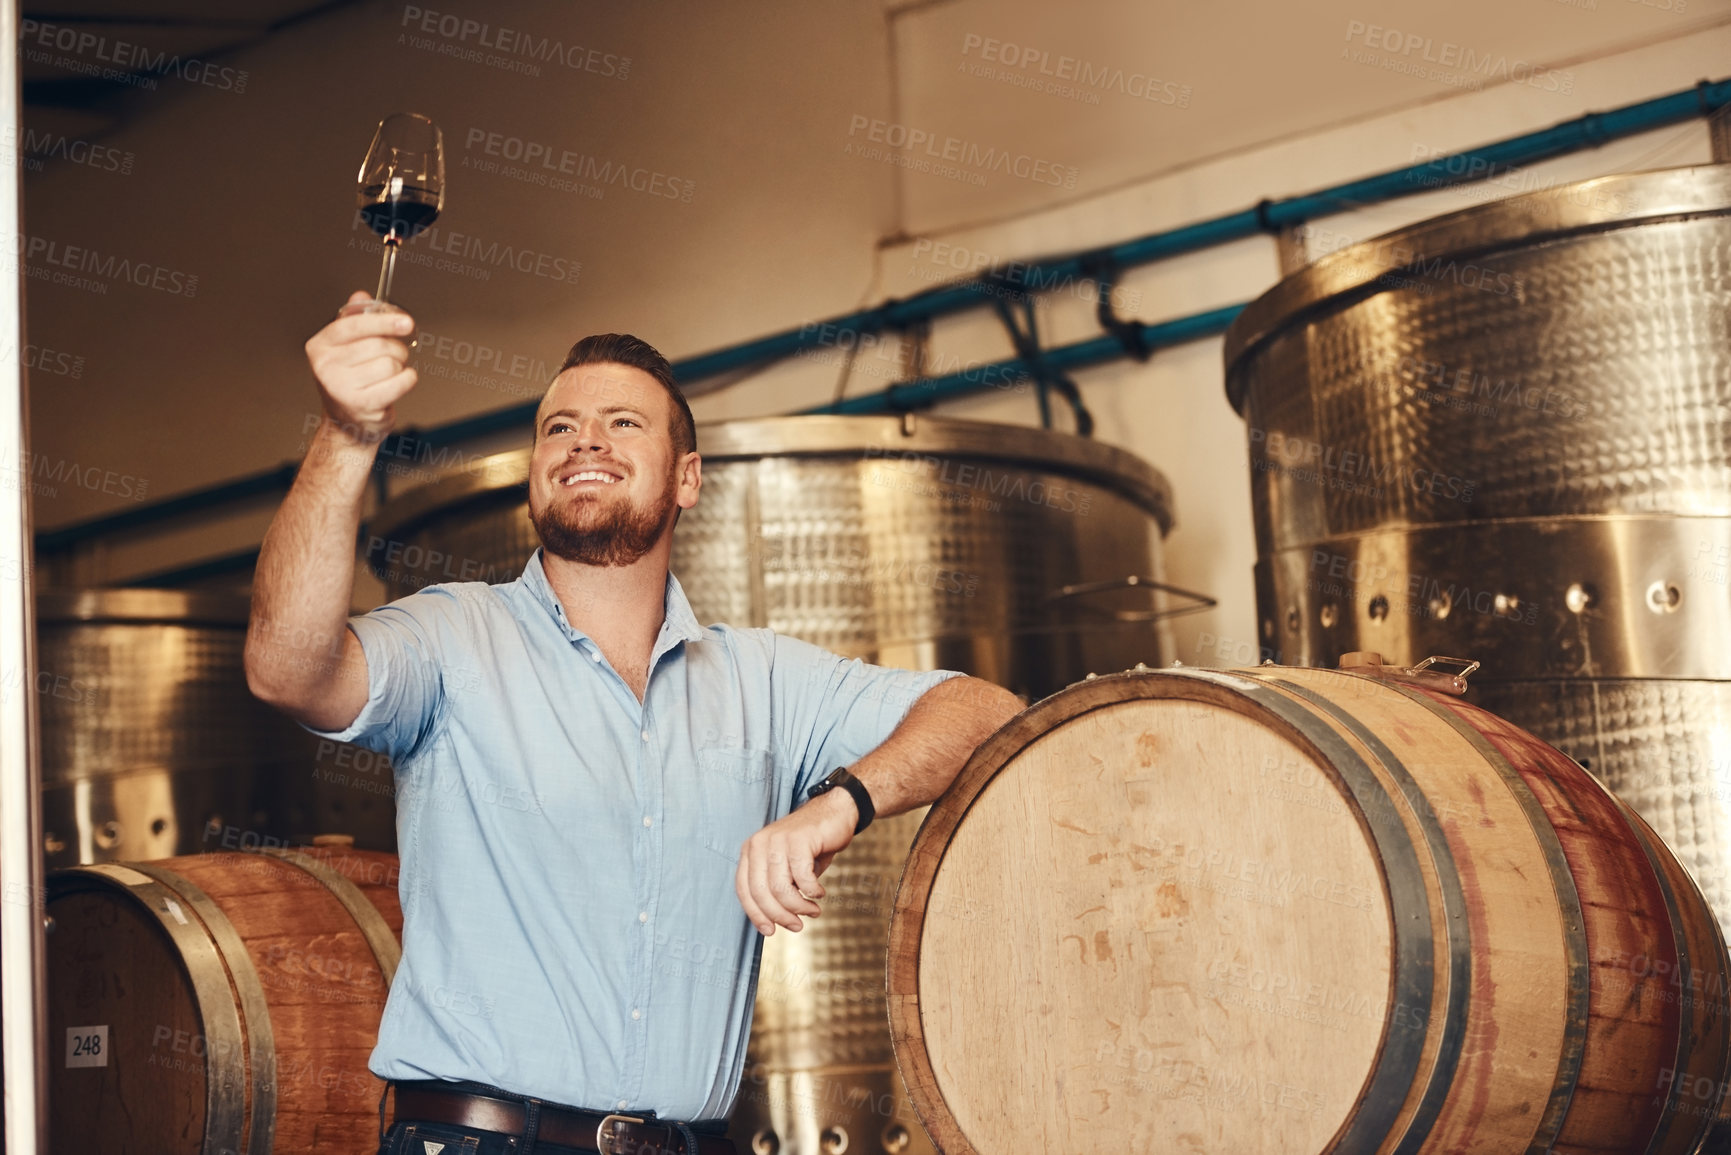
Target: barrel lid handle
(1467, 665)
(1425, 673)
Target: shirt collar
(678, 622)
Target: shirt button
(643, 916)
(596, 655)
(622, 1104)
(635, 1013)
(646, 735)
(648, 821)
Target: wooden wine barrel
(1296, 911)
(220, 1003)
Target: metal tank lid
(1600, 204)
(820, 436)
(142, 606)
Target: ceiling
(67, 45)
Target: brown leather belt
(608, 1134)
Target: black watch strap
(861, 797)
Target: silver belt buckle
(603, 1140)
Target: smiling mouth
(589, 475)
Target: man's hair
(624, 349)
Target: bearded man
(617, 777)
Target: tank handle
(1371, 665)
(1200, 602)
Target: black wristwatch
(862, 799)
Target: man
(583, 772)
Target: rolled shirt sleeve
(835, 710)
(404, 643)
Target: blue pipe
(1004, 374)
(1588, 131)
(1270, 216)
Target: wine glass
(401, 188)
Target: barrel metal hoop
(224, 1101)
(1460, 979)
(255, 1011)
(1579, 976)
(1388, 1086)
(383, 942)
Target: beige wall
(764, 109)
(254, 193)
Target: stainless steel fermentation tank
(151, 743)
(1506, 434)
(1020, 555)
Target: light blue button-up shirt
(570, 928)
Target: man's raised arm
(300, 655)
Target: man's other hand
(778, 866)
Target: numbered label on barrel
(87, 1046)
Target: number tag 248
(87, 1046)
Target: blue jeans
(413, 1137)
(407, 1137)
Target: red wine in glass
(398, 214)
(401, 186)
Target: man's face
(603, 478)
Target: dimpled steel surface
(1573, 375)
(913, 542)
(1506, 434)
(908, 541)
(149, 732)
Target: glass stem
(386, 270)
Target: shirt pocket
(737, 787)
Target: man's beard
(619, 537)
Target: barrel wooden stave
(1512, 941)
(320, 982)
(164, 1094)
(1694, 1085)
(1633, 1029)
(1628, 886)
(1552, 1055)
(324, 986)
(1105, 1104)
